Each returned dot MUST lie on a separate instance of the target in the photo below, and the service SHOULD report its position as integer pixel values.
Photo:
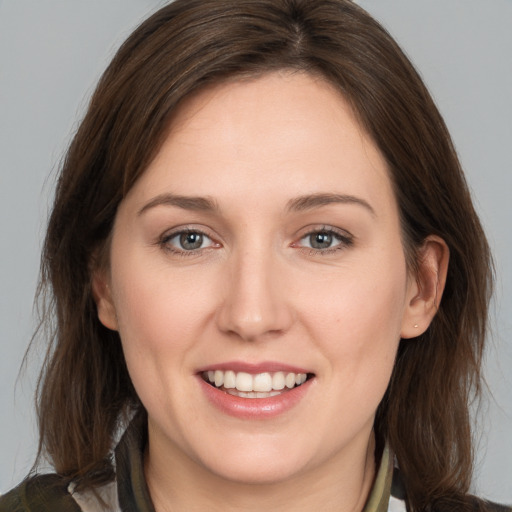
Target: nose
(255, 303)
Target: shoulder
(42, 493)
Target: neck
(340, 484)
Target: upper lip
(254, 368)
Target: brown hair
(85, 388)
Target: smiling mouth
(261, 385)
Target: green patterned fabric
(44, 493)
(381, 490)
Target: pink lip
(254, 408)
(254, 368)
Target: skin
(256, 292)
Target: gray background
(51, 54)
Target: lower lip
(254, 408)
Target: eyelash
(344, 239)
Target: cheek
(356, 321)
(160, 316)
(157, 306)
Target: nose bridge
(255, 302)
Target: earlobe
(427, 286)
(103, 297)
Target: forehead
(290, 132)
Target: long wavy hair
(84, 388)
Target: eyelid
(323, 228)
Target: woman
(266, 267)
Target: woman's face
(261, 247)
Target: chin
(256, 472)
(253, 462)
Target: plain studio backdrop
(53, 51)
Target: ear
(103, 297)
(426, 287)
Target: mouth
(260, 385)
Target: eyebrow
(302, 203)
(193, 203)
(308, 202)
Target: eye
(190, 241)
(320, 240)
(187, 241)
(325, 240)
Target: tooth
(244, 381)
(290, 380)
(278, 381)
(249, 394)
(219, 378)
(229, 379)
(262, 382)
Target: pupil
(191, 241)
(321, 240)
